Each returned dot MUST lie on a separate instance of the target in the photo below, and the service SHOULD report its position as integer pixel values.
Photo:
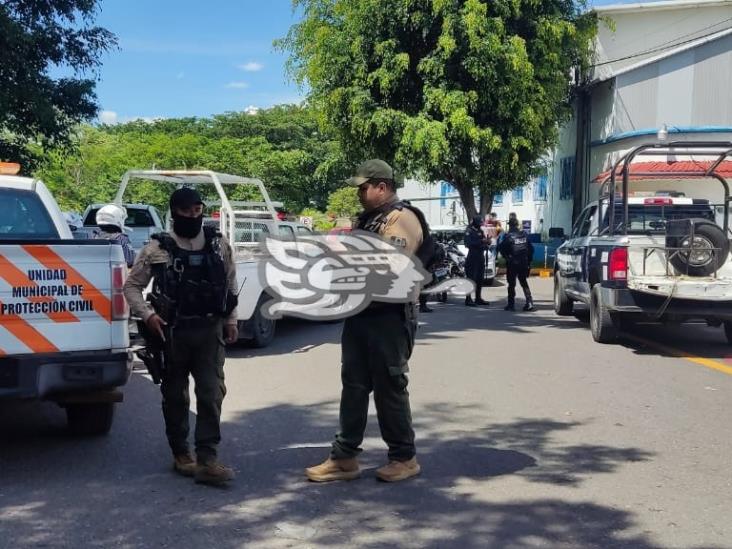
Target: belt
(196, 321)
(379, 307)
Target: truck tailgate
(56, 296)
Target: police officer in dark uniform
(518, 252)
(193, 315)
(477, 244)
(376, 345)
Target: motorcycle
(455, 260)
(450, 265)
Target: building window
(540, 186)
(498, 199)
(567, 168)
(517, 195)
(446, 189)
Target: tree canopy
(283, 146)
(465, 90)
(49, 51)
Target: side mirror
(557, 232)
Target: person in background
(111, 222)
(477, 244)
(493, 227)
(518, 252)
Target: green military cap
(371, 169)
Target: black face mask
(187, 227)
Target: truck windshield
(25, 217)
(651, 218)
(136, 217)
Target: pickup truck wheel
(263, 329)
(563, 306)
(728, 331)
(90, 419)
(602, 323)
(708, 252)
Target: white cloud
(237, 85)
(251, 66)
(108, 117)
(251, 109)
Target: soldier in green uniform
(376, 345)
(194, 313)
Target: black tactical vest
(193, 283)
(518, 245)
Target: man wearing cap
(194, 313)
(376, 345)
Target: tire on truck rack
(709, 251)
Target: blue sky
(195, 57)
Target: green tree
(344, 202)
(36, 37)
(465, 90)
(321, 222)
(283, 146)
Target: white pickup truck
(653, 254)
(63, 318)
(241, 228)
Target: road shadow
(293, 335)
(122, 489)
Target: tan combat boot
(334, 469)
(214, 473)
(395, 471)
(184, 464)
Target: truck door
(569, 256)
(586, 230)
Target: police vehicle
(653, 254)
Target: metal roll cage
(719, 150)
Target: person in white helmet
(111, 223)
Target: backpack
(429, 251)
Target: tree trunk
(486, 203)
(467, 197)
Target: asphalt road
(529, 435)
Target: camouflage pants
(376, 346)
(197, 350)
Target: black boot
(529, 306)
(509, 306)
(469, 301)
(425, 309)
(478, 295)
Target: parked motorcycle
(450, 265)
(455, 259)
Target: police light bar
(9, 168)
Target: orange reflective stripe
(49, 258)
(26, 333)
(15, 277)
